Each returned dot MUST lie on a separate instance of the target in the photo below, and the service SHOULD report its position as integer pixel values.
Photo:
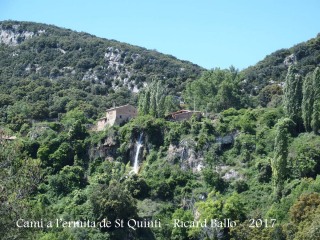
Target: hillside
(258, 85)
(56, 70)
(273, 68)
(245, 165)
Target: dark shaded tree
(307, 101)
(315, 122)
(279, 161)
(293, 96)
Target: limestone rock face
(14, 36)
(290, 60)
(102, 67)
(186, 157)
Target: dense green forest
(247, 169)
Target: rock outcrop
(13, 36)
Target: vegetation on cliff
(253, 158)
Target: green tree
(307, 101)
(152, 99)
(171, 104)
(6, 100)
(268, 92)
(293, 95)
(19, 179)
(234, 208)
(68, 179)
(215, 90)
(316, 117)
(62, 156)
(304, 207)
(315, 122)
(181, 233)
(279, 161)
(226, 96)
(113, 202)
(40, 110)
(213, 179)
(144, 102)
(77, 131)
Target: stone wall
(117, 115)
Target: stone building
(182, 115)
(116, 115)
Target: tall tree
(160, 96)
(215, 91)
(152, 99)
(307, 101)
(293, 96)
(316, 117)
(315, 122)
(279, 161)
(144, 102)
(171, 104)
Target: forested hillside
(47, 71)
(245, 166)
(273, 68)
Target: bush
(68, 179)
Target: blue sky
(208, 33)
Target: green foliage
(279, 162)
(304, 155)
(311, 102)
(58, 70)
(72, 116)
(265, 171)
(309, 228)
(171, 104)
(292, 191)
(181, 233)
(113, 202)
(216, 90)
(6, 100)
(234, 208)
(68, 179)
(58, 82)
(19, 178)
(61, 157)
(307, 101)
(215, 207)
(77, 131)
(270, 117)
(315, 122)
(137, 187)
(154, 100)
(305, 205)
(305, 56)
(246, 123)
(293, 95)
(213, 179)
(268, 93)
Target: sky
(210, 33)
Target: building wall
(111, 117)
(101, 124)
(116, 116)
(124, 114)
